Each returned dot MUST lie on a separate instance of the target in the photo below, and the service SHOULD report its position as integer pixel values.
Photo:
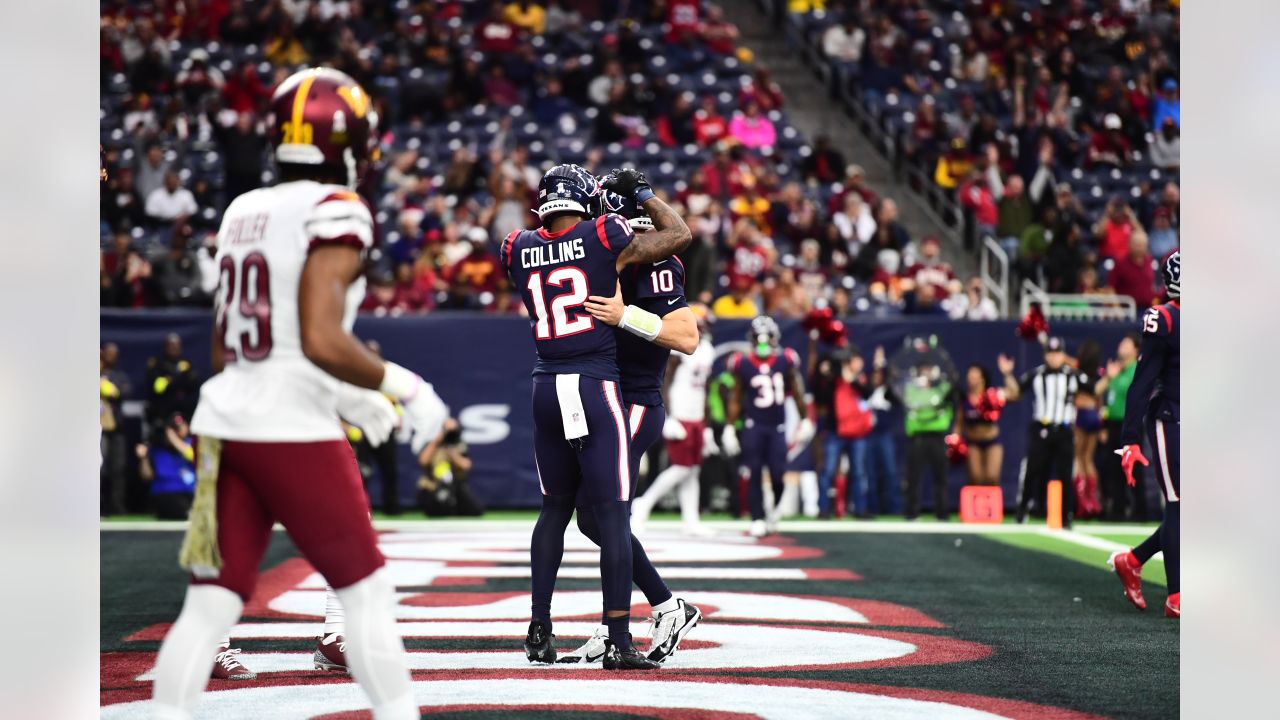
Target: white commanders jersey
(268, 391)
(687, 396)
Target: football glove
(673, 429)
(1131, 455)
(629, 183)
(729, 441)
(368, 410)
(425, 411)
(709, 446)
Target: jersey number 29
(253, 305)
(558, 324)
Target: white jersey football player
(685, 430)
(270, 447)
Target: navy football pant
(1165, 436)
(763, 447)
(594, 470)
(646, 428)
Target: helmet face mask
(321, 118)
(764, 336)
(612, 202)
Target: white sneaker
(697, 530)
(669, 629)
(758, 529)
(592, 650)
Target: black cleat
(615, 659)
(538, 645)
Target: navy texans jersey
(556, 273)
(764, 385)
(1154, 391)
(658, 288)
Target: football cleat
(538, 645)
(758, 529)
(669, 629)
(615, 659)
(1129, 570)
(1173, 606)
(592, 651)
(331, 653)
(227, 666)
(697, 530)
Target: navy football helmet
(612, 202)
(764, 335)
(1172, 272)
(567, 189)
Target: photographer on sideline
(442, 488)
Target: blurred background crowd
(1053, 125)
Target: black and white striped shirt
(1055, 394)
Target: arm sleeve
(1155, 330)
(614, 233)
(660, 287)
(340, 218)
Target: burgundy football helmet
(321, 117)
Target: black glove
(627, 182)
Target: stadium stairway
(813, 113)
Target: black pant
(927, 450)
(1050, 453)
(384, 457)
(1119, 501)
(113, 477)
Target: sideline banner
(480, 365)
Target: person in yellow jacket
(954, 166)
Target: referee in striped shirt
(1051, 447)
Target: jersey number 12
(559, 324)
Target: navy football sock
(643, 572)
(755, 493)
(1170, 531)
(546, 549)
(615, 567)
(1149, 547)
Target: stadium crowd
(1054, 125)
(474, 99)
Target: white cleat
(698, 530)
(592, 651)
(758, 529)
(669, 629)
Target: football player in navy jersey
(657, 288)
(1151, 410)
(581, 435)
(770, 374)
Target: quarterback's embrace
(270, 447)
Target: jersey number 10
(559, 324)
(253, 305)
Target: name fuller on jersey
(248, 229)
(551, 254)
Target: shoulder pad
(1157, 321)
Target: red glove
(1131, 455)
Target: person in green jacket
(1119, 502)
(929, 399)
(718, 470)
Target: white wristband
(398, 382)
(639, 321)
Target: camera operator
(443, 489)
